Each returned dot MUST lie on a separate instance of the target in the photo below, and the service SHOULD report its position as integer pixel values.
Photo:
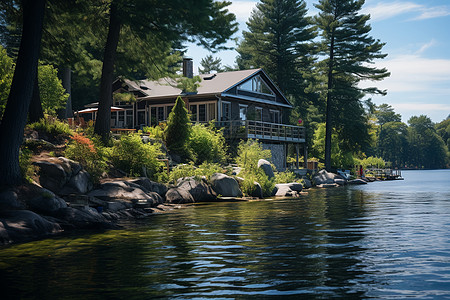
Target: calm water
(387, 240)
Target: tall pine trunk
(15, 116)
(65, 74)
(35, 111)
(103, 123)
(328, 125)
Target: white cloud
(426, 46)
(242, 9)
(383, 11)
(387, 10)
(418, 107)
(433, 12)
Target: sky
(417, 37)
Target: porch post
(305, 155)
(296, 152)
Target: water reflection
(337, 243)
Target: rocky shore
(65, 199)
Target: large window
(256, 84)
(259, 113)
(243, 112)
(202, 112)
(275, 116)
(159, 114)
(226, 111)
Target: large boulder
(151, 186)
(45, 202)
(22, 225)
(9, 200)
(257, 191)
(63, 176)
(225, 185)
(324, 177)
(83, 218)
(191, 190)
(357, 181)
(307, 183)
(126, 191)
(266, 167)
(292, 189)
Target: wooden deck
(263, 131)
(384, 174)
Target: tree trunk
(103, 123)
(328, 127)
(65, 74)
(15, 116)
(35, 111)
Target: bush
(207, 144)
(83, 150)
(26, 168)
(189, 170)
(156, 132)
(51, 126)
(285, 177)
(6, 75)
(249, 153)
(53, 95)
(134, 157)
(178, 129)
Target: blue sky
(417, 37)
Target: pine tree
(279, 41)
(178, 129)
(209, 63)
(348, 50)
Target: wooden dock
(384, 174)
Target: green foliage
(124, 97)
(156, 132)
(443, 129)
(385, 113)
(340, 158)
(134, 157)
(6, 74)
(188, 170)
(209, 64)
(371, 162)
(26, 168)
(279, 40)
(285, 177)
(53, 95)
(393, 143)
(178, 129)
(189, 85)
(51, 126)
(83, 150)
(207, 144)
(249, 153)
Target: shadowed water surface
(381, 240)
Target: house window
(243, 112)
(141, 117)
(160, 113)
(193, 109)
(153, 119)
(129, 119)
(226, 111)
(257, 85)
(211, 111)
(168, 110)
(202, 112)
(258, 113)
(275, 116)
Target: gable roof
(211, 84)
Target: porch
(263, 131)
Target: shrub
(285, 177)
(83, 150)
(52, 126)
(189, 170)
(26, 168)
(6, 75)
(53, 95)
(207, 144)
(134, 157)
(249, 153)
(178, 129)
(156, 132)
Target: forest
(318, 62)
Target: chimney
(188, 67)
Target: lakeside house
(246, 103)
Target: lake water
(386, 240)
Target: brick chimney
(188, 67)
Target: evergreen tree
(178, 129)
(348, 51)
(166, 21)
(279, 41)
(385, 113)
(209, 64)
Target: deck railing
(262, 131)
